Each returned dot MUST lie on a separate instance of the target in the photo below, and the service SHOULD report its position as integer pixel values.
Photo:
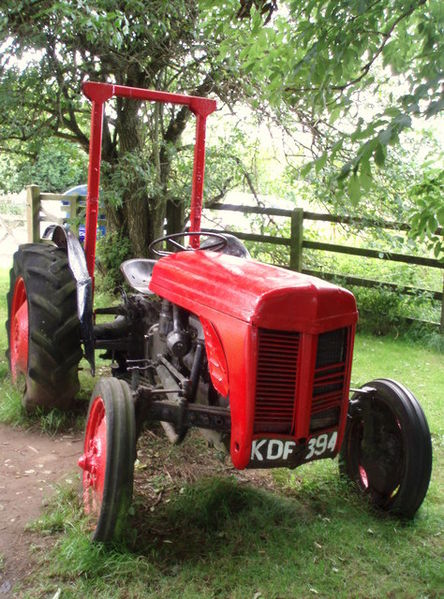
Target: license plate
(283, 452)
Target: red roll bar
(99, 93)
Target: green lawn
(202, 530)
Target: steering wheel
(220, 243)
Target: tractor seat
(137, 273)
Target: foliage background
(330, 105)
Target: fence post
(296, 235)
(73, 216)
(33, 213)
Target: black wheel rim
(376, 453)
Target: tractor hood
(258, 294)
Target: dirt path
(30, 464)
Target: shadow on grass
(218, 517)
(209, 516)
(212, 519)
(51, 422)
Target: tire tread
(121, 454)
(54, 340)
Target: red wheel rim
(18, 337)
(93, 460)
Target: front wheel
(387, 449)
(108, 458)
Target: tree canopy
(308, 65)
(132, 43)
(314, 60)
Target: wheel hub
(93, 460)
(381, 457)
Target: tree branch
(366, 68)
(248, 179)
(386, 36)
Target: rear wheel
(43, 327)
(108, 458)
(387, 450)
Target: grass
(202, 529)
(419, 368)
(219, 536)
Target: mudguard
(64, 238)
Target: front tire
(43, 327)
(108, 458)
(387, 449)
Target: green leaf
(306, 169)
(354, 189)
(392, 111)
(434, 108)
(403, 121)
(365, 181)
(320, 162)
(334, 114)
(345, 171)
(364, 165)
(422, 90)
(385, 136)
(379, 155)
(432, 223)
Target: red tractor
(257, 357)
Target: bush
(112, 250)
(57, 166)
(380, 311)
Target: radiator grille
(276, 381)
(329, 378)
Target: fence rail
(35, 213)
(296, 242)
(331, 218)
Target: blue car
(81, 190)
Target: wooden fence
(36, 213)
(296, 242)
(9, 223)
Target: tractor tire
(43, 327)
(108, 459)
(387, 449)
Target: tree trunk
(137, 217)
(175, 215)
(141, 216)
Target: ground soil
(30, 465)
